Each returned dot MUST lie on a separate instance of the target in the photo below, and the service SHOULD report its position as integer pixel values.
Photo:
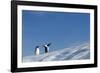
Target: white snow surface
(72, 53)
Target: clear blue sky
(62, 29)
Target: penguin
(47, 47)
(37, 50)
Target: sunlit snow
(77, 52)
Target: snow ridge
(78, 52)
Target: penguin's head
(37, 47)
(47, 45)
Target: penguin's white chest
(37, 51)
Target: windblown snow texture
(72, 53)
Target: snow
(77, 52)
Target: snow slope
(72, 53)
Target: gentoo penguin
(47, 47)
(37, 50)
